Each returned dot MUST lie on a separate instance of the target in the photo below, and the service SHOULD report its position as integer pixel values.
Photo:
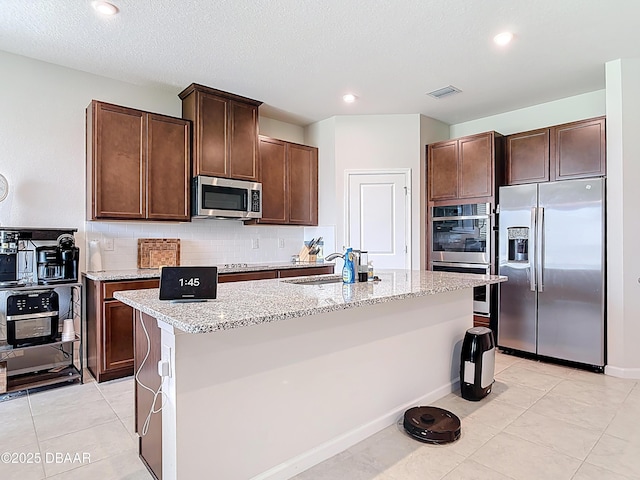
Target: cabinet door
(118, 336)
(578, 149)
(243, 141)
(168, 168)
(528, 157)
(443, 170)
(118, 162)
(475, 166)
(210, 140)
(273, 177)
(303, 184)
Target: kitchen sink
(316, 280)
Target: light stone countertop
(147, 273)
(241, 304)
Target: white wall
(372, 142)
(623, 221)
(565, 110)
(281, 130)
(42, 140)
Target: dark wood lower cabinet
(110, 322)
(149, 436)
(118, 336)
(295, 272)
(481, 321)
(110, 328)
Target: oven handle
(462, 265)
(462, 217)
(29, 316)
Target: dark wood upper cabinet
(289, 176)
(168, 168)
(303, 184)
(476, 163)
(464, 168)
(443, 170)
(273, 168)
(578, 149)
(138, 164)
(562, 152)
(528, 157)
(225, 132)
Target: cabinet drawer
(303, 272)
(241, 277)
(109, 289)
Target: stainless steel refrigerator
(551, 246)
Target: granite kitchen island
(275, 376)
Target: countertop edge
(129, 298)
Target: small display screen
(188, 283)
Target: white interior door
(378, 217)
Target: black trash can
(477, 363)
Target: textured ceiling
(300, 56)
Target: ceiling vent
(444, 92)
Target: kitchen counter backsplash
(203, 242)
(144, 273)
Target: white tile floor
(541, 421)
(96, 419)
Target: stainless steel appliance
(461, 233)
(8, 258)
(481, 295)
(226, 198)
(461, 242)
(31, 317)
(551, 246)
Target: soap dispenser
(348, 271)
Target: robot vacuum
(432, 425)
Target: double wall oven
(461, 242)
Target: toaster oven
(31, 317)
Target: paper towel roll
(95, 256)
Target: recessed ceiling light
(105, 8)
(503, 38)
(349, 98)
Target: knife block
(305, 256)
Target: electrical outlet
(107, 244)
(255, 243)
(281, 243)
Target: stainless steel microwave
(215, 197)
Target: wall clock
(4, 187)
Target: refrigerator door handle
(532, 250)
(540, 256)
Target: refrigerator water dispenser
(518, 244)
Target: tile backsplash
(202, 242)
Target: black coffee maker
(69, 256)
(58, 264)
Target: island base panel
(274, 399)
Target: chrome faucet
(332, 256)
